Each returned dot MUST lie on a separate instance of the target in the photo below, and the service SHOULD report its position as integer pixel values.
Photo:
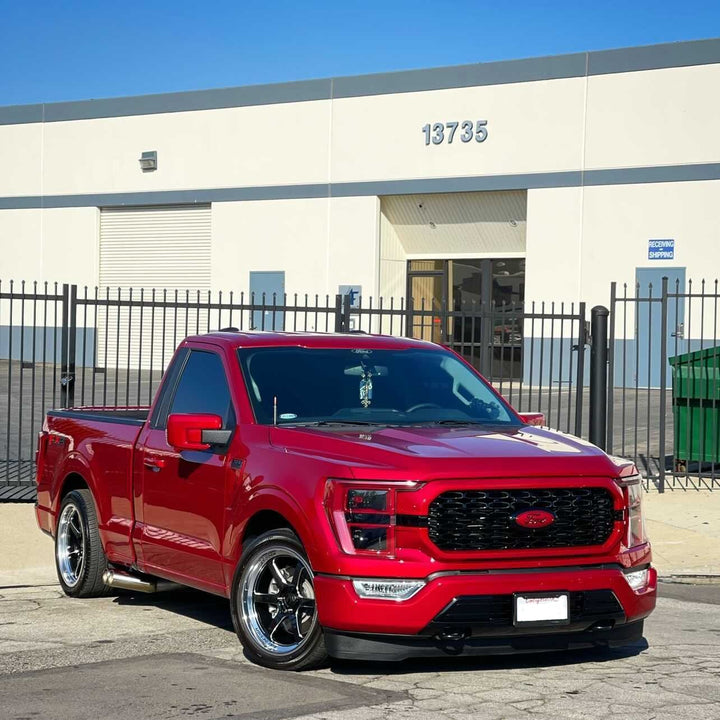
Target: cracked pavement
(177, 653)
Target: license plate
(542, 608)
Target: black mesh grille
(483, 519)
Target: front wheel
(273, 604)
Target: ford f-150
(358, 496)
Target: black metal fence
(61, 346)
(664, 381)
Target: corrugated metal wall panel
(451, 223)
(145, 248)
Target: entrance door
(268, 288)
(648, 324)
(427, 287)
(473, 305)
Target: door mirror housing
(196, 431)
(537, 419)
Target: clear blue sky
(68, 50)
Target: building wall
(297, 185)
(295, 236)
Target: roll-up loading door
(162, 255)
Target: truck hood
(450, 451)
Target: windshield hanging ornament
(366, 388)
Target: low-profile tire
(79, 557)
(273, 604)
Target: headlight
(636, 520)
(363, 514)
(632, 488)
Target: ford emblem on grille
(534, 518)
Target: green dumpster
(696, 406)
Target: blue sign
(661, 249)
(355, 293)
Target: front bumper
(471, 608)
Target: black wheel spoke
(265, 598)
(278, 621)
(297, 624)
(297, 577)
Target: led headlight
(387, 589)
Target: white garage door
(157, 247)
(164, 249)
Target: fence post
(338, 313)
(346, 307)
(409, 311)
(598, 375)
(663, 383)
(64, 336)
(611, 371)
(68, 339)
(580, 380)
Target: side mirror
(194, 431)
(536, 419)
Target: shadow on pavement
(194, 604)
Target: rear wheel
(79, 557)
(273, 604)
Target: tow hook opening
(453, 635)
(602, 626)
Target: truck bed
(123, 416)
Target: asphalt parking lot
(175, 655)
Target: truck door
(182, 494)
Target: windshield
(292, 385)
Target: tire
(274, 577)
(79, 557)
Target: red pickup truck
(356, 496)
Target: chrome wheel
(277, 601)
(70, 545)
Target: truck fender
(75, 464)
(275, 500)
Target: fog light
(637, 579)
(388, 589)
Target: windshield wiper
(327, 423)
(452, 422)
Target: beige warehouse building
(538, 179)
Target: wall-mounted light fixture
(148, 161)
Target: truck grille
(483, 519)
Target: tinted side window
(167, 388)
(203, 388)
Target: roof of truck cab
(309, 340)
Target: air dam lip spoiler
(395, 648)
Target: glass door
(475, 306)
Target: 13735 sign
(466, 130)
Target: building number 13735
(467, 130)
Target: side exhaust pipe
(123, 581)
